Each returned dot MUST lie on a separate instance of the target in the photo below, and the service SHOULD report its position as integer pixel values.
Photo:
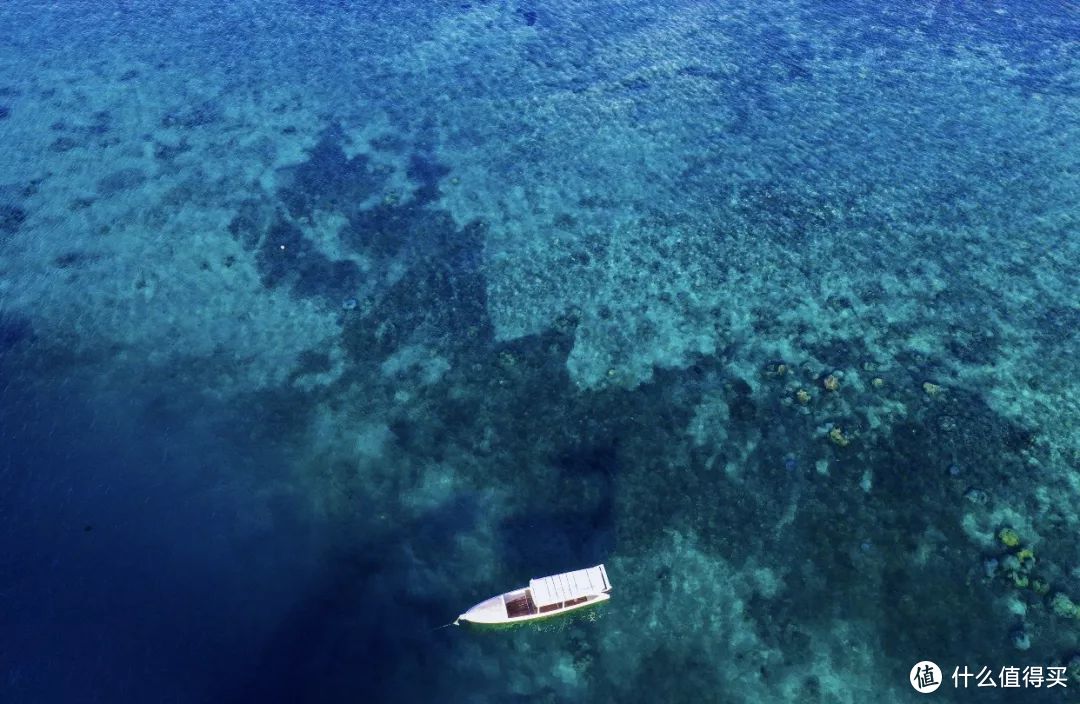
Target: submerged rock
(977, 496)
(11, 218)
(1020, 638)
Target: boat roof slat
(568, 585)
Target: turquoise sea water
(322, 321)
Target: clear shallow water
(320, 324)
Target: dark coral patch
(283, 253)
(593, 459)
(386, 231)
(286, 257)
(381, 231)
(427, 172)
(168, 152)
(71, 260)
(11, 219)
(329, 180)
(63, 144)
(121, 180)
(1058, 323)
(251, 222)
(740, 400)
(387, 235)
(330, 280)
(388, 143)
(190, 116)
(435, 302)
(309, 362)
(972, 345)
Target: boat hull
(492, 612)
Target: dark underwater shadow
(363, 629)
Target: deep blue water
(321, 322)
(124, 573)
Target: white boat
(544, 597)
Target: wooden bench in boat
(520, 605)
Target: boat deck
(521, 605)
(546, 596)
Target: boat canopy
(569, 585)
